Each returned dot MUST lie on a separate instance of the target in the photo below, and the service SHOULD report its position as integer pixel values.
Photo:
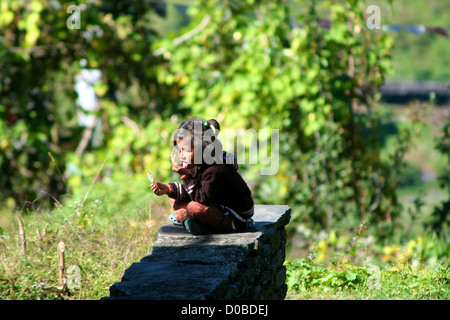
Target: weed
(309, 280)
(102, 238)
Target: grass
(102, 238)
(307, 280)
(413, 270)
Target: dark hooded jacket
(216, 184)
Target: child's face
(186, 153)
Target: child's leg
(179, 208)
(211, 216)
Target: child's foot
(174, 220)
(195, 227)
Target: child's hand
(160, 188)
(176, 167)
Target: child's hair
(202, 133)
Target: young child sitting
(213, 195)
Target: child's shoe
(174, 220)
(195, 228)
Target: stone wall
(244, 265)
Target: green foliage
(417, 270)
(309, 280)
(103, 236)
(41, 141)
(440, 219)
(315, 85)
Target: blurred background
(91, 91)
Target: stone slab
(174, 243)
(187, 267)
(169, 281)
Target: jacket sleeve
(178, 192)
(192, 189)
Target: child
(213, 195)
